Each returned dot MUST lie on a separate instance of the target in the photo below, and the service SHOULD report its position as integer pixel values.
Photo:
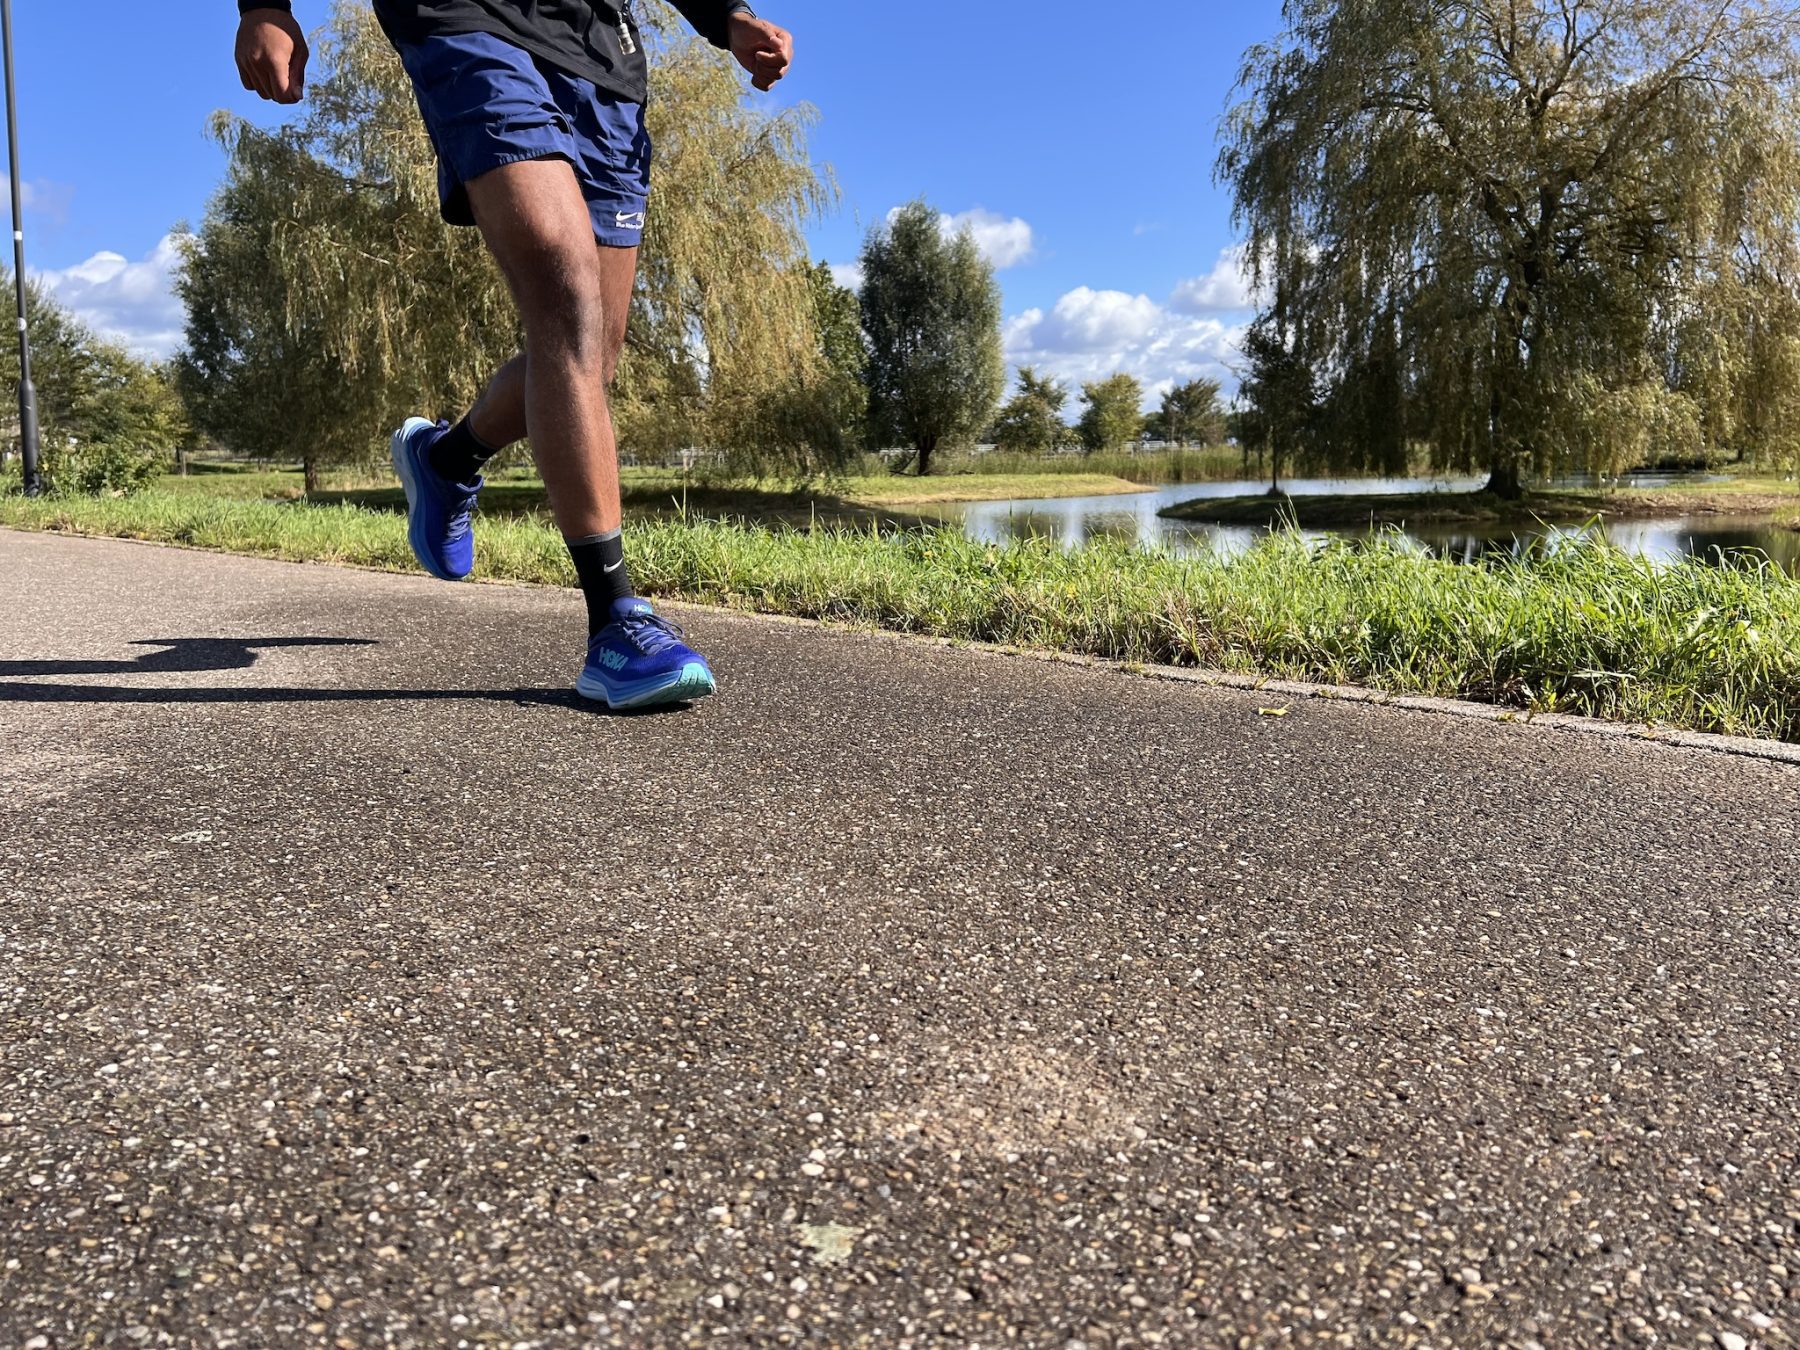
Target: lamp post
(28, 422)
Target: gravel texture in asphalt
(360, 986)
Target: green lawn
(856, 499)
(1585, 630)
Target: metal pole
(28, 420)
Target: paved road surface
(359, 986)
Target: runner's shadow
(179, 654)
(199, 655)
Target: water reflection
(1132, 519)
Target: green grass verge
(1585, 630)
(518, 490)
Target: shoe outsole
(693, 681)
(404, 468)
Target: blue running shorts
(488, 103)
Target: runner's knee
(560, 301)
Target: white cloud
(1003, 241)
(132, 303)
(1089, 335)
(847, 274)
(1087, 320)
(1225, 289)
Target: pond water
(1133, 518)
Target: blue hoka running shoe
(438, 513)
(639, 660)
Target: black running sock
(457, 455)
(600, 564)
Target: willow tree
(327, 300)
(1528, 232)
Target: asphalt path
(360, 985)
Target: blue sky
(1076, 139)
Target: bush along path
(1585, 629)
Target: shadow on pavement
(180, 654)
(103, 693)
(199, 655)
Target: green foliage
(837, 313)
(1191, 412)
(121, 430)
(1210, 465)
(725, 348)
(327, 300)
(837, 397)
(1281, 414)
(108, 421)
(931, 312)
(1583, 629)
(1031, 422)
(1507, 231)
(1112, 417)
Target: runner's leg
(537, 224)
(498, 417)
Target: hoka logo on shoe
(613, 660)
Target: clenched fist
(271, 55)
(762, 48)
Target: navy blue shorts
(488, 103)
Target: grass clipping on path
(1586, 629)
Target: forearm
(709, 17)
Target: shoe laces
(651, 632)
(459, 498)
(460, 519)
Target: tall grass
(1202, 464)
(1584, 629)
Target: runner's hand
(271, 55)
(761, 48)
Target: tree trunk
(1505, 481)
(1510, 413)
(311, 470)
(926, 445)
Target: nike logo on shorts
(629, 220)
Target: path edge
(1741, 747)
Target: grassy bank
(1200, 464)
(854, 500)
(1483, 510)
(1586, 630)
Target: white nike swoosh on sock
(615, 567)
